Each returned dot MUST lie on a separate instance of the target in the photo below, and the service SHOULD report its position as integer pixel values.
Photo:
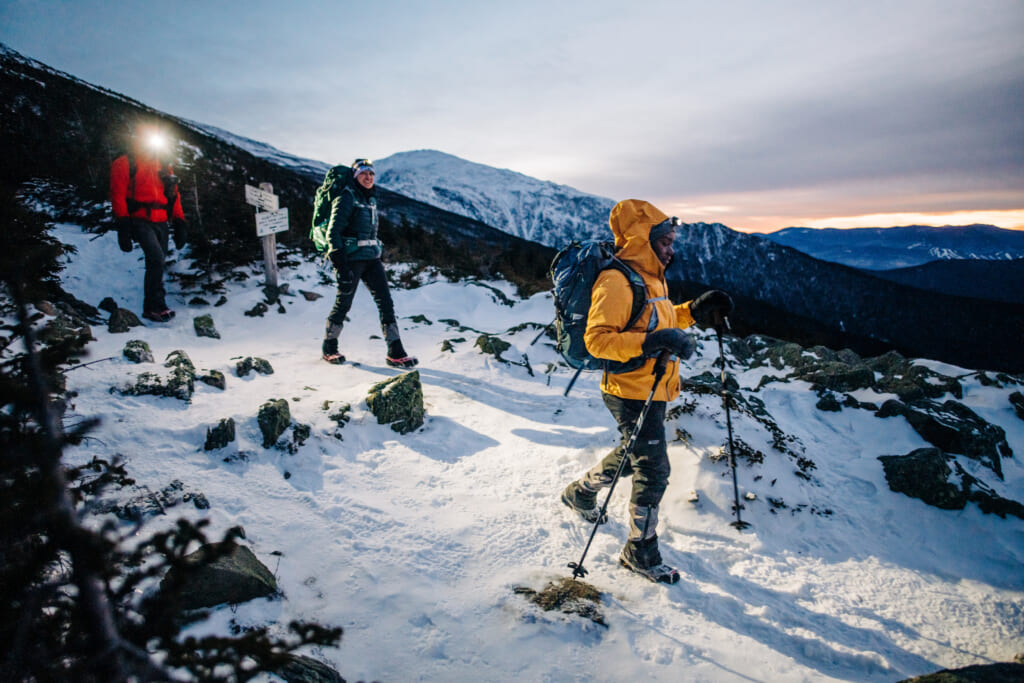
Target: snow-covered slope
(536, 210)
(413, 543)
(309, 167)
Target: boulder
(954, 428)
(221, 435)
(924, 474)
(108, 305)
(203, 325)
(248, 364)
(156, 503)
(829, 403)
(181, 381)
(235, 577)
(399, 402)
(930, 475)
(1002, 672)
(274, 418)
(836, 376)
(215, 378)
(122, 320)
(257, 311)
(137, 351)
(495, 346)
(1017, 401)
(300, 669)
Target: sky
(757, 115)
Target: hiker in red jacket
(144, 195)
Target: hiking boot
(159, 316)
(584, 502)
(330, 352)
(398, 358)
(644, 558)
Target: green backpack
(327, 191)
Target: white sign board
(257, 197)
(269, 222)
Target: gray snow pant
(152, 237)
(648, 463)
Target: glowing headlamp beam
(156, 141)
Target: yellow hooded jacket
(611, 302)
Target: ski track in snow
(412, 543)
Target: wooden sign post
(269, 222)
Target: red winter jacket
(146, 189)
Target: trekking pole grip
(660, 365)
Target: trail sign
(269, 222)
(262, 199)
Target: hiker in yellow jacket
(644, 239)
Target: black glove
(123, 225)
(338, 260)
(710, 308)
(180, 230)
(671, 339)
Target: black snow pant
(648, 462)
(376, 280)
(152, 237)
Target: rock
(235, 577)
(980, 673)
(915, 383)
(248, 364)
(567, 596)
(257, 311)
(215, 378)
(144, 507)
(203, 325)
(954, 428)
(181, 382)
(310, 296)
(300, 669)
(492, 345)
(829, 403)
(1017, 401)
(46, 308)
(221, 301)
(108, 305)
(261, 366)
(198, 301)
(146, 384)
(836, 376)
(300, 434)
(122, 320)
(924, 474)
(221, 435)
(274, 418)
(137, 351)
(399, 402)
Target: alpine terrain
(407, 525)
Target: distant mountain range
(901, 247)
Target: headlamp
(156, 141)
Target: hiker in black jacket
(355, 253)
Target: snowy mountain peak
(526, 207)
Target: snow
(413, 543)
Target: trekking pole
(542, 331)
(659, 370)
(739, 523)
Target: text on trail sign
(269, 222)
(260, 198)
